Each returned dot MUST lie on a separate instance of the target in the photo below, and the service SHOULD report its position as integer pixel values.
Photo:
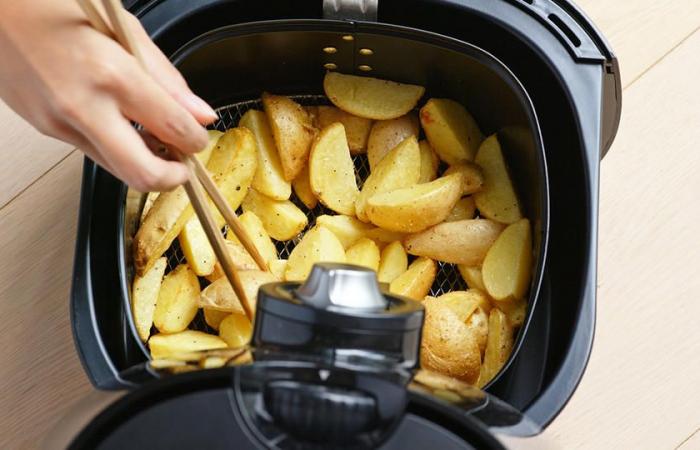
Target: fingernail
(202, 107)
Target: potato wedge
(400, 168)
(144, 295)
(236, 184)
(269, 177)
(417, 280)
(240, 257)
(346, 228)
(168, 345)
(459, 242)
(312, 111)
(278, 267)
(384, 236)
(499, 344)
(235, 330)
(363, 253)
(196, 248)
(282, 220)
(392, 263)
(371, 98)
(387, 134)
(429, 162)
(177, 300)
(332, 172)
(220, 295)
(292, 130)
(255, 230)
(302, 187)
(472, 178)
(497, 199)
(472, 276)
(356, 128)
(318, 245)
(451, 130)
(471, 297)
(515, 310)
(147, 205)
(213, 317)
(415, 208)
(507, 266)
(464, 209)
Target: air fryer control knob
(342, 285)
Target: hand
(75, 84)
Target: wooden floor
(642, 387)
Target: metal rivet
(330, 66)
(366, 52)
(348, 37)
(330, 50)
(364, 68)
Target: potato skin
(387, 134)
(451, 130)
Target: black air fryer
(337, 368)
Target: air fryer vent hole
(568, 32)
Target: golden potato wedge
(255, 230)
(416, 281)
(196, 248)
(220, 295)
(449, 346)
(392, 263)
(479, 323)
(213, 317)
(438, 381)
(302, 187)
(515, 310)
(332, 172)
(507, 267)
(371, 98)
(415, 208)
(382, 236)
(468, 301)
(451, 130)
(235, 330)
(363, 253)
(144, 295)
(168, 345)
(346, 228)
(499, 344)
(400, 168)
(464, 209)
(318, 245)
(269, 177)
(429, 162)
(242, 260)
(472, 276)
(497, 199)
(147, 205)
(278, 267)
(356, 128)
(282, 220)
(459, 242)
(387, 134)
(472, 178)
(177, 300)
(292, 130)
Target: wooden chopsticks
(121, 33)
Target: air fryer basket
(231, 66)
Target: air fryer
(534, 71)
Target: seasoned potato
(451, 130)
(415, 208)
(439, 382)
(497, 199)
(499, 344)
(508, 264)
(144, 295)
(332, 172)
(387, 134)
(515, 310)
(255, 230)
(392, 263)
(235, 330)
(479, 322)
(416, 281)
(147, 205)
(371, 98)
(302, 187)
(399, 169)
(459, 242)
(429, 162)
(464, 209)
(363, 253)
(470, 296)
(278, 267)
(346, 228)
(449, 345)
(177, 300)
(169, 345)
(384, 236)
(318, 245)
(213, 317)
(282, 220)
(472, 276)
(220, 295)
(356, 128)
(242, 260)
(293, 132)
(472, 178)
(269, 177)
(196, 248)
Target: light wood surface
(641, 389)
